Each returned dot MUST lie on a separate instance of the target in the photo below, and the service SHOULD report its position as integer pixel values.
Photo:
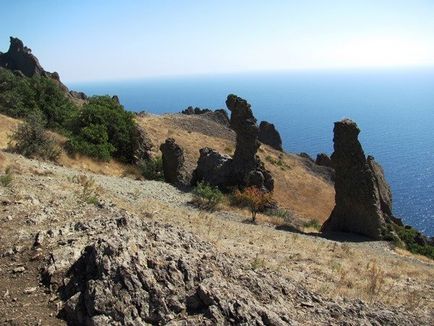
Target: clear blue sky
(108, 40)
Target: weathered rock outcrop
(19, 58)
(269, 135)
(363, 198)
(323, 160)
(173, 162)
(245, 168)
(142, 146)
(136, 272)
(219, 115)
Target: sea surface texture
(394, 109)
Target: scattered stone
(269, 135)
(30, 290)
(219, 115)
(39, 239)
(19, 269)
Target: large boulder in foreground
(269, 135)
(363, 198)
(173, 162)
(245, 168)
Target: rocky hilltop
(92, 242)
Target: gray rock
(173, 163)
(363, 198)
(269, 135)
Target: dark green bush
(408, 236)
(21, 96)
(102, 129)
(152, 169)
(206, 196)
(31, 140)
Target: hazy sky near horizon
(109, 40)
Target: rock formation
(219, 115)
(245, 168)
(20, 59)
(142, 146)
(323, 160)
(363, 198)
(269, 135)
(173, 162)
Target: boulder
(323, 160)
(142, 146)
(173, 162)
(269, 135)
(363, 202)
(244, 168)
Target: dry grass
(296, 189)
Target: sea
(394, 108)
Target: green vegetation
(21, 96)
(152, 169)
(6, 179)
(89, 190)
(206, 196)
(103, 129)
(32, 140)
(277, 162)
(313, 224)
(408, 238)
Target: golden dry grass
(296, 188)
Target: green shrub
(103, 129)
(408, 236)
(152, 169)
(6, 179)
(206, 196)
(21, 96)
(312, 223)
(31, 140)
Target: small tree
(207, 196)
(253, 198)
(32, 140)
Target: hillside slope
(233, 271)
(299, 185)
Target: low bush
(206, 196)
(313, 224)
(32, 140)
(152, 169)
(103, 129)
(408, 238)
(6, 179)
(253, 198)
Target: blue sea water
(393, 108)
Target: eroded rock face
(269, 135)
(20, 57)
(142, 146)
(173, 162)
(363, 198)
(219, 115)
(323, 160)
(244, 168)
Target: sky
(131, 39)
